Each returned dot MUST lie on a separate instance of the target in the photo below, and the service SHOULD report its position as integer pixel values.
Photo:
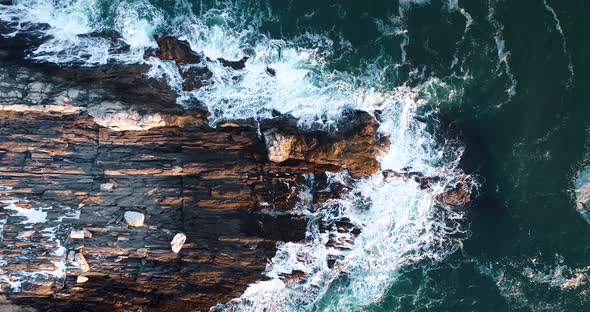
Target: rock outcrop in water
(113, 197)
(173, 49)
(82, 148)
(458, 194)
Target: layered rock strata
(80, 147)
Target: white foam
(71, 21)
(400, 226)
(137, 22)
(503, 52)
(32, 216)
(564, 41)
(453, 5)
(517, 281)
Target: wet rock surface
(173, 49)
(80, 147)
(457, 193)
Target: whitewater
(402, 225)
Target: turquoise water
(497, 87)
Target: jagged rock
(458, 195)
(134, 218)
(171, 48)
(236, 65)
(354, 147)
(177, 242)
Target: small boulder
(77, 234)
(134, 218)
(25, 234)
(177, 242)
(108, 187)
(458, 195)
(81, 279)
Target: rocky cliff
(81, 147)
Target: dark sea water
(504, 82)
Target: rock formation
(172, 49)
(80, 147)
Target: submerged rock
(459, 194)
(294, 278)
(195, 77)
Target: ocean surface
(494, 89)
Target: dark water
(521, 70)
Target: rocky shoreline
(80, 147)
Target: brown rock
(173, 49)
(458, 195)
